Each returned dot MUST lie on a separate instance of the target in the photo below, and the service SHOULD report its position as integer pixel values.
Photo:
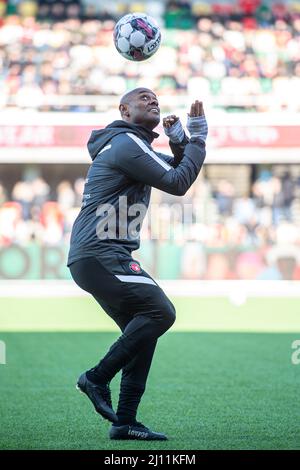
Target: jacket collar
(142, 131)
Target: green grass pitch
(221, 379)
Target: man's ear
(123, 108)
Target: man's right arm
(177, 139)
(137, 161)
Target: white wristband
(175, 132)
(197, 127)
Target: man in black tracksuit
(106, 231)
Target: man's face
(142, 108)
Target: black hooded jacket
(118, 186)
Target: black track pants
(142, 311)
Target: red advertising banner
(44, 136)
(256, 136)
(219, 136)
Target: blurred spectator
(10, 215)
(277, 203)
(244, 210)
(23, 194)
(224, 197)
(218, 267)
(249, 266)
(53, 222)
(78, 188)
(65, 196)
(40, 190)
(3, 195)
(193, 261)
(288, 195)
(270, 271)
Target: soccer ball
(137, 36)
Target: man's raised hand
(196, 123)
(196, 109)
(173, 128)
(170, 120)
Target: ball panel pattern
(137, 36)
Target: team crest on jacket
(135, 267)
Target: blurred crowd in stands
(225, 236)
(241, 55)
